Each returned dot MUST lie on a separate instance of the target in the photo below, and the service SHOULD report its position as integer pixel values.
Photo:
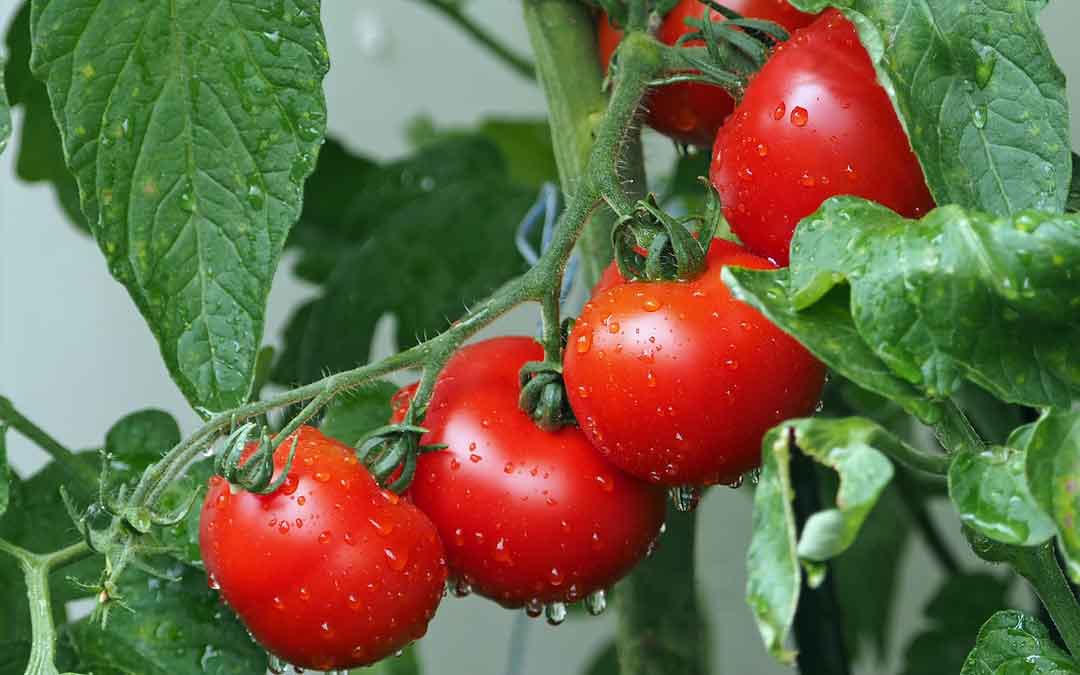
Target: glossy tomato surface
(329, 571)
(677, 382)
(691, 112)
(526, 516)
(814, 123)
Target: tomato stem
(1039, 565)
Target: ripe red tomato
(691, 112)
(330, 570)
(527, 516)
(814, 123)
(677, 382)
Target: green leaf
(848, 447)
(525, 143)
(441, 236)
(1053, 473)
(41, 153)
(5, 473)
(980, 95)
(175, 627)
(354, 413)
(1072, 205)
(826, 329)
(142, 437)
(957, 295)
(1013, 643)
(190, 134)
(990, 492)
(957, 609)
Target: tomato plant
(677, 382)
(692, 112)
(329, 570)
(814, 123)
(898, 176)
(528, 517)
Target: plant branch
(516, 62)
(65, 457)
(1040, 567)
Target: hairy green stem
(36, 569)
(516, 62)
(79, 471)
(1040, 567)
(662, 630)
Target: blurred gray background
(75, 355)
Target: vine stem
(516, 62)
(36, 569)
(1036, 564)
(59, 452)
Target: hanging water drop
(596, 602)
(461, 588)
(534, 608)
(276, 665)
(736, 483)
(556, 613)
(755, 476)
(684, 498)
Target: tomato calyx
(390, 454)
(672, 251)
(543, 395)
(253, 472)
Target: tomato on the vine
(528, 517)
(329, 570)
(814, 123)
(677, 382)
(691, 112)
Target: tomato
(691, 112)
(330, 570)
(528, 517)
(814, 123)
(677, 382)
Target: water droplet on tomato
(212, 583)
(778, 112)
(650, 379)
(304, 593)
(475, 458)
(583, 343)
(651, 304)
(736, 483)
(325, 537)
(459, 537)
(283, 527)
(605, 482)
(596, 602)
(348, 538)
(397, 560)
(290, 484)
(806, 180)
(326, 631)
(799, 116)
(454, 464)
(321, 476)
(278, 603)
(534, 608)
(354, 602)
(762, 150)
(460, 588)
(556, 613)
(556, 577)
(502, 553)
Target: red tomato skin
(525, 515)
(691, 112)
(330, 570)
(677, 382)
(814, 124)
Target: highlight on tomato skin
(330, 571)
(692, 112)
(677, 382)
(814, 123)
(529, 518)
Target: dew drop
(397, 560)
(583, 343)
(556, 613)
(605, 482)
(596, 602)
(762, 150)
(650, 379)
(799, 116)
(534, 608)
(502, 553)
(651, 304)
(325, 537)
(778, 112)
(321, 476)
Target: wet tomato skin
(329, 571)
(525, 515)
(814, 124)
(677, 382)
(691, 112)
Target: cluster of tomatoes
(673, 384)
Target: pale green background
(76, 356)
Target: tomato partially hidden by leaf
(330, 570)
(691, 112)
(814, 124)
(527, 516)
(677, 382)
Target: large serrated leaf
(174, 627)
(979, 93)
(1053, 473)
(434, 234)
(990, 492)
(1013, 643)
(773, 560)
(957, 295)
(190, 127)
(826, 329)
